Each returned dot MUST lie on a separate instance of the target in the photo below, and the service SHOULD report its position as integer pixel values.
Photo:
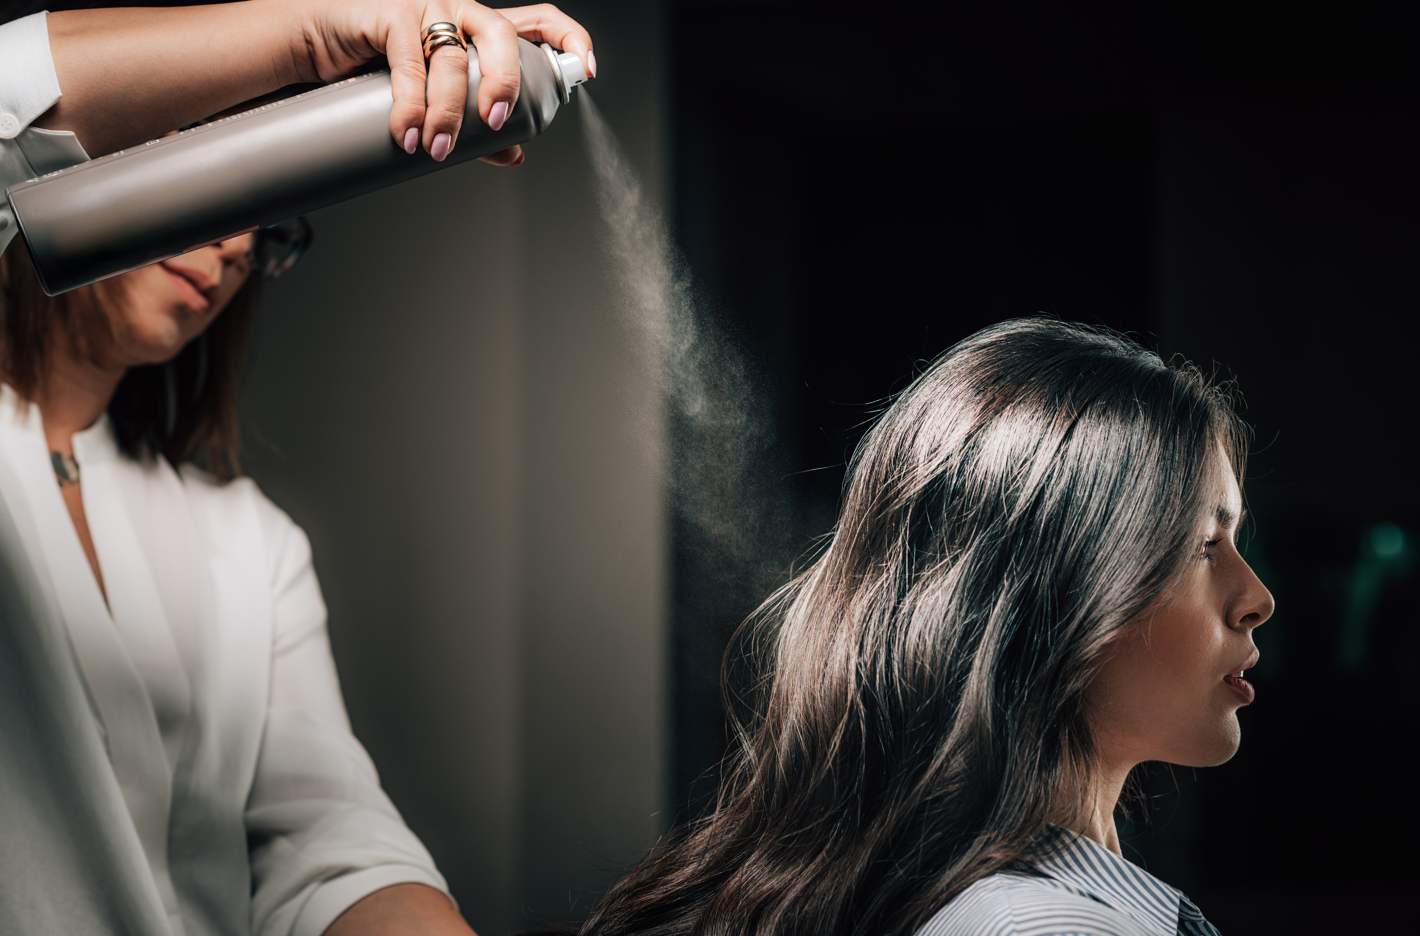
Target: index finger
(496, 41)
(543, 22)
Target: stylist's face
(1172, 688)
(158, 309)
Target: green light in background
(1384, 557)
(1387, 540)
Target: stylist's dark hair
(185, 410)
(922, 713)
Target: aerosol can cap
(568, 69)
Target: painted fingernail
(411, 139)
(497, 115)
(521, 157)
(591, 64)
(442, 144)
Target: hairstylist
(120, 77)
(261, 815)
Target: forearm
(403, 908)
(130, 75)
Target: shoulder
(238, 508)
(1018, 905)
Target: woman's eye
(1207, 545)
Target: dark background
(1230, 181)
(854, 189)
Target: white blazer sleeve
(28, 88)
(322, 833)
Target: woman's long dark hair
(922, 714)
(184, 410)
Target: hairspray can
(254, 169)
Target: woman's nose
(1256, 604)
(236, 250)
(230, 250)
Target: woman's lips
(1241, 688)
(193, 297)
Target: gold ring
(440, 43)
(439, 35)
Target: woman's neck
(1094, 815)
(73, 395)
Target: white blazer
(177, 760)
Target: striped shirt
(1079, 888)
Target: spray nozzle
(568, 69)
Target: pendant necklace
(66, 469)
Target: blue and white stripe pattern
(1080, 888)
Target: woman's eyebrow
(1226, 517)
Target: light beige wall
(441, 395)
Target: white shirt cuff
(335, 896)
(28, 84)
(28, 88)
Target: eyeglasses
(279, 247)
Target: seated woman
(177, 757)
(1032, 588)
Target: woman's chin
(1216, 750)
(153, 349)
